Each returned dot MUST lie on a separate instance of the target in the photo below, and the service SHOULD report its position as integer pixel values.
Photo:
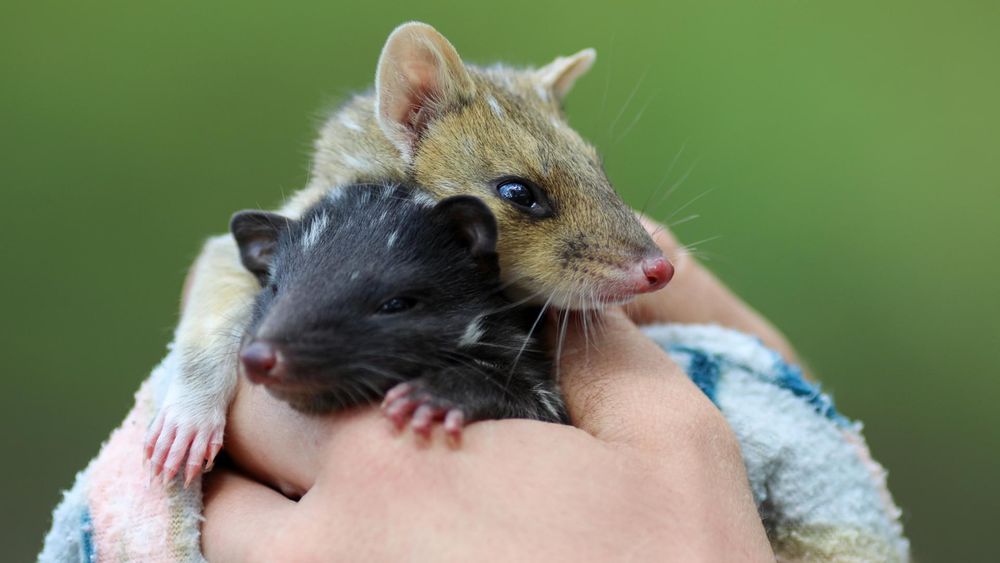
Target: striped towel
(819, 493)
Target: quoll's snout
(261, 361)
(647, 275)
(644, 275)
(657, 272)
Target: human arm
(695, 295)
(652, 472)
(669, 449)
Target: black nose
(260, 361)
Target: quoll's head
(363, 292)
(566, 237)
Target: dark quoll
(378, 292)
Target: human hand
(696, 296)
(652, 472)
(650, 436)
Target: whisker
(563, 324)
(685, 220)
(688, 204)
(680, 181)
(663, 181)
(527, 338)
(635, 120)
(607, 83)
(628, 102)
(470, 364)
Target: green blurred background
(842, 159)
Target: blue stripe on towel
(704, 369)
(790, 377)
(701, 368)
(87, 552)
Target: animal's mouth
(309, 391)
(614, 286)
(273, 365)
(611, 300)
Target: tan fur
(468, 145)
(453, 129)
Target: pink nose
(260, 361)
(658, 272)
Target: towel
(819, 493)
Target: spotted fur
(463, 342)
(454, 129)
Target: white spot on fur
(495, 106)
(392, 239)
(549, 400)
(335, 194)
(346, 121)
(555, 122)
(473, 332)
(364, 197)
(354, 275)
(542, 92)
(316, 228)
(484, 363)
(421, 198)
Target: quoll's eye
(397, 305)
(517, 192)
(525, 195)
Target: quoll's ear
(560, 75)
(419, 76)
(256, 234)
(473, 222)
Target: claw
(152, 436)
(399, 411)
(410, 404)
(191, 470)
(423, 420)
(215, 447)
(396, 393)
(163, 443)
(454, 422)
(176, 441)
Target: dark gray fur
(321, 305)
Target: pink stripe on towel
(135, 520)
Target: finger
(240, 516)
(621, 387)
(270, 440)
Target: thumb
(619, 385)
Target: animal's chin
(579, 300)
(316, 400)
(319, 391)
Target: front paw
(412, 403)
(182, 436)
